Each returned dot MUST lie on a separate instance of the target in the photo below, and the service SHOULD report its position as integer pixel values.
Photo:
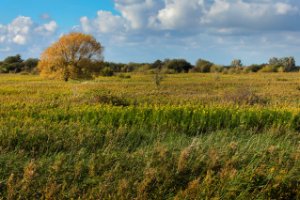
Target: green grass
(114, 164)
(118, 138)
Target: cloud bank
(228, 28)
(146, 30)
(196, 15)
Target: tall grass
(93, 140)
(82, 162)
(192, 120)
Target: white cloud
(158, 28)
(2, 39)
(105, 22)
(194, 15)
(85, 24)
(20, 25)
(22, 29)
(20, 39)
(203, 25)
(23, 35)
(137, 12)
(284, 8)
(47, 29)
(178, 14)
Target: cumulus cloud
(22, 29)
(251, 16)
(195, 15)
(284, 8)
(196, 25)
(2, 39)
(172, 27)
(47, 29)
(105, 22)
(178, 14)
(19, 39)
(23, 33)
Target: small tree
(203, 66)
(237, 63)
(13, 64)
(287, 63)
(158, 78)
(178, 65)
(30, 64)
(107, 71)
(72, 56)
(157, 64)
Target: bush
(106, 71)
(105, 97)
(178, 65)
(203, 66)
(235, 70)
(270, 68)
(254, 68)
(168, 71)
(24, 73)
(124, 76)
(245, 96)
(3, 69)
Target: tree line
(79, 56)
(15, 64)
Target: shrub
(245, 96)
(124, 76)
(106, 71)
(254, 68)
(168, 71)
(203, 66)
(178, 65)
(3, 69)
(105, 97)
(270, 68)
(216, 68)
(24, 73)
(235, 70)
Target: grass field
(197, 136)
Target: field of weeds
(197, 136)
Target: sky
(147, 30)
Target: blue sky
(146, 30)
(67, 12)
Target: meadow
(196, 136)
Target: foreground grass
(127, 163)
(124, 139)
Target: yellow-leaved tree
(73, 56)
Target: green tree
(158, 64)
(287, 63)
(178, 65)
(203, 66)
(237, 63)
(12, 64)
(30, 64)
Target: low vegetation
(199, 136)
